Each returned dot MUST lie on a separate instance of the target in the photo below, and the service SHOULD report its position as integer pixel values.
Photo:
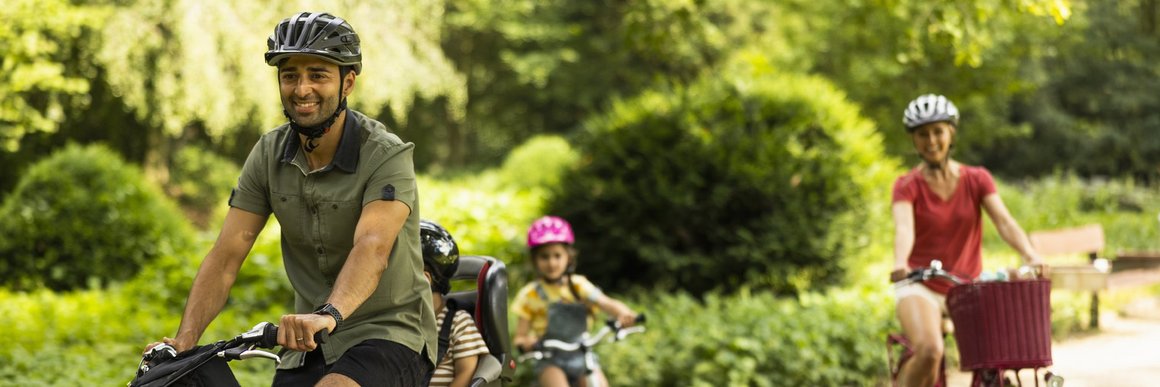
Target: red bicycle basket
(1002, 324)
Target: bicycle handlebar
(934, 271)
(611, 326)
(241, 347)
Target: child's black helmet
(313, 33)
(440, 254)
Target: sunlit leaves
(191, 61)
(39, 76)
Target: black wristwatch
(330, 310)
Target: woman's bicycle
(545, 349)
(205, 365)
(999, 326)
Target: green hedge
(745, 177)
(82, 217)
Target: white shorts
(906, 289)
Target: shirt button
(283, 198)
(320, 250)
(334, 206)
(313, 210)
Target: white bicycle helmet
(929, 108)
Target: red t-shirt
(947, 230)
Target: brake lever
(243, 353)
(260, 353)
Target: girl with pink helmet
(559, 303)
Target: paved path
(1125, 353)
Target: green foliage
(1127, 211)
(201, 182)
(83, 217)
(182, 64)
(537, 67)
(975, 52)
(101, 333)
(538, 163)
(1097, 110)
(42, 74)
(755, 176)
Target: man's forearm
(360, 275)
(208, 295)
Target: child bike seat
(488, 305)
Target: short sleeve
(905, 189)
(253, 190)
(394, 177)
(984, 182)
(587, 289)
(521, 306)
(466, 340)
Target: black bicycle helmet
(440, 254)
(314, 33)
(927, 109)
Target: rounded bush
(749, 178)
(82, 217)
(201, 181)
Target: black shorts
(373, 362)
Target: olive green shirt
(318, 211)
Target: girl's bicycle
(206, 365)
(545, 349)
(999, 326)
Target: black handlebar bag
(197, 367)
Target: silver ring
(298, 339)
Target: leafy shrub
(84, 217)
(750, 178)
(201, 181)
(538, 163)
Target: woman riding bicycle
(937, 209)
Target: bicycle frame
(546, 348)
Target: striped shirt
(465, 341)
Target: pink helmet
(550, 229)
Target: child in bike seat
(460, 344)
(558, 304)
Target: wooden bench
(1135, 268)
(1076, 275)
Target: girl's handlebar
(611, 326)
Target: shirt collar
(345, 157)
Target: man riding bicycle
(343, 190)
(937, 209)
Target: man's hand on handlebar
(296, 331)
(178, 345)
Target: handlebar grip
(613, 323)
(270, 336)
